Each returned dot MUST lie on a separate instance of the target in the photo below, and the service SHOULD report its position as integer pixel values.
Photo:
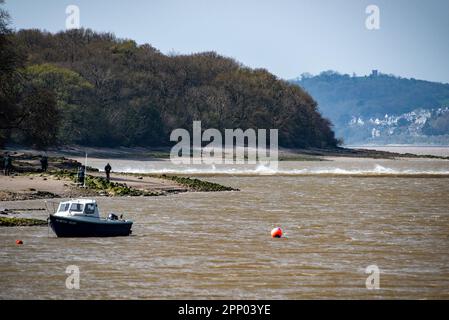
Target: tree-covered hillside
(104, 91)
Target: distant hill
(366, 109)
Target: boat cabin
(78, 207)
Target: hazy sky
(287, 37)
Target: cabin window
(78, 207)
(63, 207)
(90, 208)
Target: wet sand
(35, 186)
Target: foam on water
(376, 170)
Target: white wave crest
(377, 170)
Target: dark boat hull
(72, 227)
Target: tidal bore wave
(376, 171)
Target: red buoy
(19, 242)
(276, 233)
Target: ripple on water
(218, 245)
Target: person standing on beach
(81, 175)
(44, 163)
(7, 164)
(4, 163)
(108, 169)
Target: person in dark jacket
(81, 175)
(108, 169)
(4, 163)
(44, 163)
(7, 164)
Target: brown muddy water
(339, 217)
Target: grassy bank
(103, 187)
(198, 185)
(21, 222)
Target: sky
(286, 37)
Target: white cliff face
(409, 124)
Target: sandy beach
(24, 187)
(27, 181)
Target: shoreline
(55, 185)
(28, 182)
(361, 152)
(285, 154)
